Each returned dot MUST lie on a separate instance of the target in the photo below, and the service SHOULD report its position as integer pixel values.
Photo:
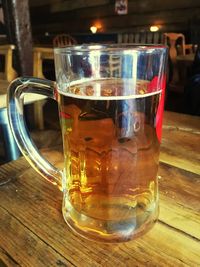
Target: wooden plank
(78, 4)
(28, 243)
(185, 157)
(133, 5)
(6, 260)
(67, 16)
(114, 22)
(177, 201)
(12, 169)
(156, 5)
(107, 10)
(172, 249)
(149, 19)
(40, 3)
(169, 243)
(181, 121)
(43, 238)
(67, 4)
(178, 132)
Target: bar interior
(32, 36)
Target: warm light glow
(154, 28)
(93, 29)
(96, 26)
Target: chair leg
(38, 114)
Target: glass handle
(15, 101)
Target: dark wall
(76, 16)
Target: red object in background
(153, 86)
(65, 115)
(121, 7)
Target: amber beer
(111, 156)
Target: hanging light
(93, 29)
(154, 28)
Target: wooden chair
(39, 55)
(8, 73)
(61, 40)
(114, 66)
(140, 38)
(171, 39)
(189, 49)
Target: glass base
(109, 231)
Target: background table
(188, 59)
(33, 232)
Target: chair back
(171, 39)
(8, 73)
(62, 40)
(141, 38)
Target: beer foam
(109, 97)
(107, 89)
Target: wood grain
(113, 23)
(42, 236)
(179, 208)
(183, 132)
(33, 231)
(77, 16)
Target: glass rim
(107, 48)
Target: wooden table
(33, 232)
(39, 54)
(37, 100)
(186, 59)
(29, 98)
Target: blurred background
(29, 29)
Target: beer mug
(110, 101)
